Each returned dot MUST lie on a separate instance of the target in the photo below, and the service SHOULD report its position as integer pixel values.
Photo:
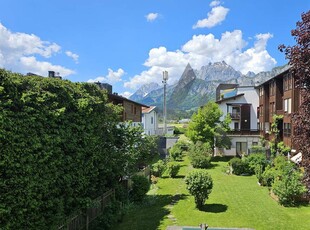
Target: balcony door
(241, 148)
(245, 117)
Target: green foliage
(255, 160)
(158, 168)
(112, 214)
(205, 126)
(238, 166)
(140, 187)
(283, 149)
(172, 169)
(177, 150)
(200, 155)
(203, 123)
(199, 184)
(60, 147)
(288, 186)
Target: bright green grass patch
(236, 201)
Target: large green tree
(206, 125)
(299, 61)
(60, 147)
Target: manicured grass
(236, 201)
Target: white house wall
(250, 97)
(149, 127)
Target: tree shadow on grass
(221, 158)
(150, 213)
(215, 208)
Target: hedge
(60, 147)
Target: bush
(238, 166)
(254, 160)
(288, 186)
(268, 176)
(200, 155)
(177, 150)
(140, 187)
(199, 184)
(173, 169)
(158, 168)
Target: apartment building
(279, 96)
(241, 103)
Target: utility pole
(165, 78)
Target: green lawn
(236, 201)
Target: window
(288, 105)
(287, 129)
(261, 91)
(152, 120)
(236, 126)
(272, 88)
(135, 110)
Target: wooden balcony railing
(235, 116)
(244, 132)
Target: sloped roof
(148, 110)
(229, 98)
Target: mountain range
(196, 87)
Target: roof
(228, 98)
(117, 97)
(148, 109)
(276, 76)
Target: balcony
(244, 132)
(280, 112)
(235, 116)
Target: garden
(236, 201)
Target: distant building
(150, 120)
(132, 111)
(241, 103)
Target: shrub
(173, 169)
(199, 184)
(238, 166)
(158, 168)
(288, 186)
(140, 187)
(268, 176)
(254, 160)
(200, 155)
(177, 150)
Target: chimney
(51, 73)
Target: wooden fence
(81, 220)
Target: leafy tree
(299, 61)
(199, 184)
(205, 125)
(200, 155)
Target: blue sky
(128, 43)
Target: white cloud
(112, 77)
(215, 3)
(126, 94)
(42, 67)
(19, 52)
(151, 17)
(74, 56)
(202, 49)
(215, 17)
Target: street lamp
(165, 78)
